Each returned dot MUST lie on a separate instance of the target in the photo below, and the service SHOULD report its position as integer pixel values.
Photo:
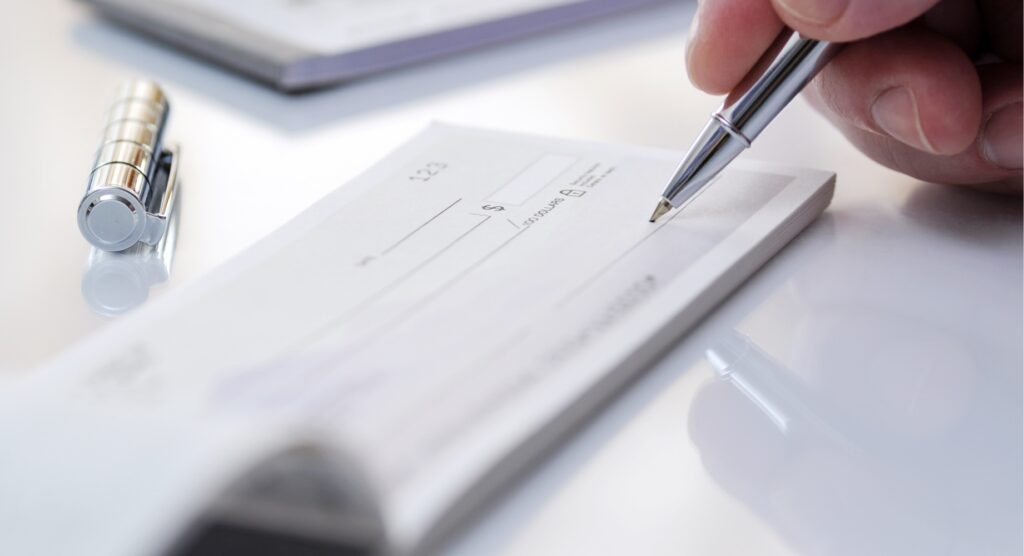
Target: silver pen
(133, 184)
(778, 77)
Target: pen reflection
(828, 484)
(879, 423)
(115, 283)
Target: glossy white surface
(878, 410)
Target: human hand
(931, 88)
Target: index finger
(729, 36)
(726, 39)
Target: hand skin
(931, 88)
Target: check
(452, 311)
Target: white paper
(448, 306)
(331, 26)
(303, 44)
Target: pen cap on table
(131, 185)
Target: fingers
(959, 21)
(991, 161)
(1003, 21)
(1001, 141)
(729, 36)
(848, 20)
(726, 40)
(912, 85)
(910, 98)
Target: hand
(931, 88)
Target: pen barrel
(785, 69)
(112, 214)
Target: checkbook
(304, 44)
(375, 371)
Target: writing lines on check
(420, 227)
(531, 181)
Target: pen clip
(164, 195)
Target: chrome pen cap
(131, 188)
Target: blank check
(454, 310)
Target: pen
(133, 183)
(778, 77)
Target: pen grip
(131, 140)
(784, 70)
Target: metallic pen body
(777, 78)
(132, 186)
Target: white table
(878, 410)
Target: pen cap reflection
(115, 283)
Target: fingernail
(895, 112)
(815, 12)
(1001, 143)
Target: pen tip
(660, 210)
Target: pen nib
(659, 211)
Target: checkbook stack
(365, 383)
(303, 45)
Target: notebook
(303, 44)
(374, 371)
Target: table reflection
(877, 421)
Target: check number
(429, 171)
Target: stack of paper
(404, 346)
(299, 45)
